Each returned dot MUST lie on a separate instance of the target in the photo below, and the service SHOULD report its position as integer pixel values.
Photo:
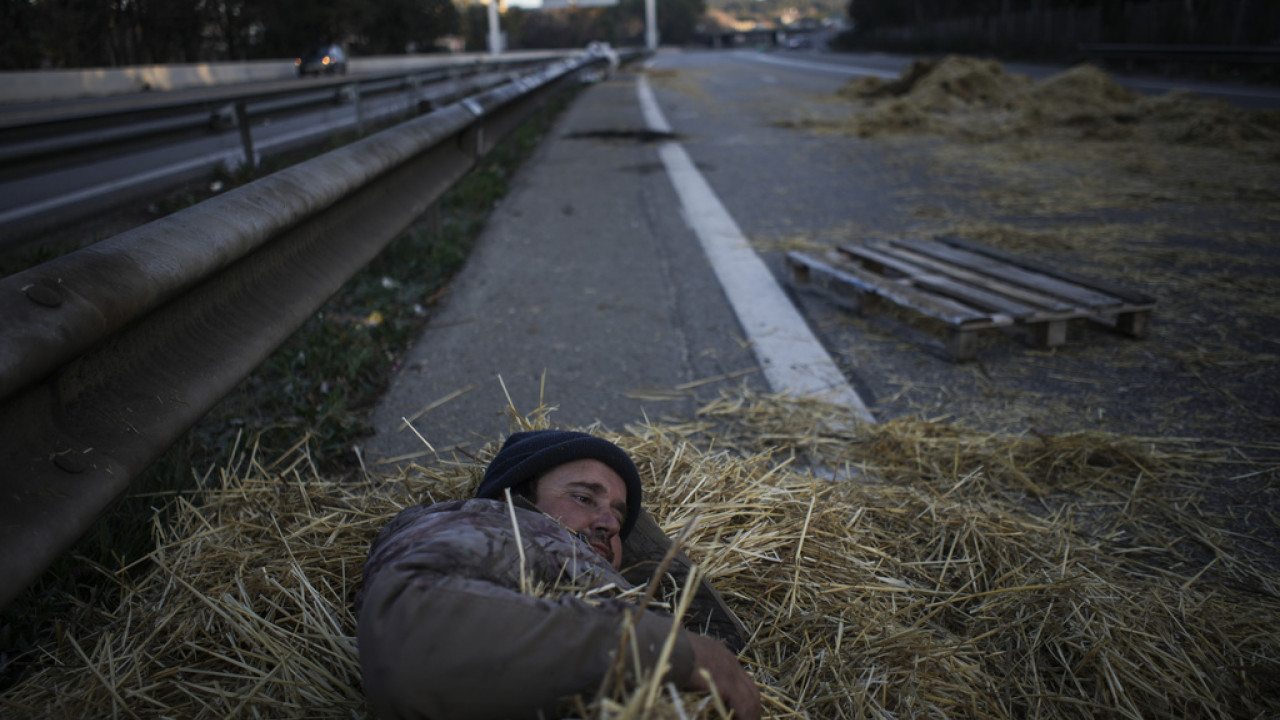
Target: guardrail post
(436, 218)
(411, 96)
(246, 135)
(355, 98)
(472, 139)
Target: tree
(26, 30)
(78, 33)
(397, 26)
(290, 27)
(475, 27)
(105, 33)
(166, 30)
(235, 21)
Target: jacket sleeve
(456, 647)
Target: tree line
(115, 33)
(1198, 21)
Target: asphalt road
(589, 292)
(1242, 95)
(35, 198)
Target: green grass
(322, 383)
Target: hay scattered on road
(971, 99)
(1176, 196)
(910, 569)
(1076, 142)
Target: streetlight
(651, 25)
(495, 28)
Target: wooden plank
(1037, 302)
(962, 344)
(850, 284)
(1130, 296)
(1047, 329)
(876, 261)
(1082, 297)
(1043, 302)
(1049, 334)
(975, 296)
(1134, 324)
(970, 288)
(925, 275)
(808, 272)
(997, 271)
(806, 267)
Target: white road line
(210, 160)
(95, 191)
(793, 360)
(821, 67)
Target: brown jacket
(447, 629)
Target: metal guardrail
(375, 101)
(111, 353)
(32, 135)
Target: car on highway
(323, 60)
(799, 42)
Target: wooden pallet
(968, 287)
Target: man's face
(589, 498)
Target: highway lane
(738, 114)
(748, 123)
(64, 109)
(33, 202)
(53, 190)
(1176, 220)
(589, 287)
(1255, 97)
(36, 201)
(739, 110)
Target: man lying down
(460, 617)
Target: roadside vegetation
(320, 385)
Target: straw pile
(967, 98)
(904, 570)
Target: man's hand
(727, 678)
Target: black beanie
(527, 455)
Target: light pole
(651, 25)
(495, 29)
